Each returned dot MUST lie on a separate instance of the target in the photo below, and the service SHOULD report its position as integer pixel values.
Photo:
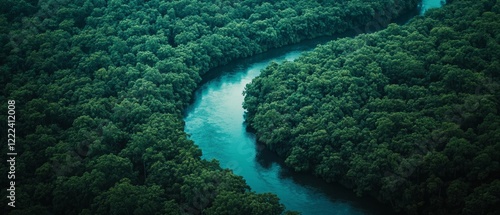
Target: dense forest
(409, 115)
(100, 87)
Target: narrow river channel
(216, 124)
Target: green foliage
(125, 198)
(408, 114)
(247, 203)
(101, 87)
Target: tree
(125, 198)
(246, 203)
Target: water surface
(429, 4)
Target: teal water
(429, 4)
(215, 123)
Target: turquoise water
(429, 4)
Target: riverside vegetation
(100, 87)
(409, 114)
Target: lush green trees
(230, 203)
(100, 88)
(408, 114)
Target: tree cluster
(410, 114)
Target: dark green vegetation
(100, 87)
(410, 115)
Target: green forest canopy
(100, 87)
(410, 114)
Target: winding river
(215, 123)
